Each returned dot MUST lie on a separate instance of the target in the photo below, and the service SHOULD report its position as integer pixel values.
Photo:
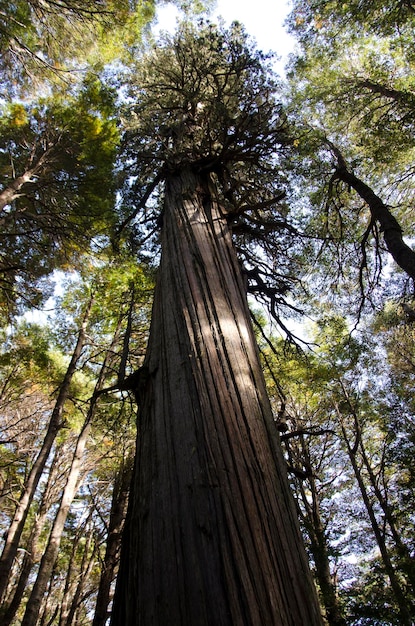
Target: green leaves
(351, 94)
(323, 19)
(206, 99)
(56, 170)
(47, 40)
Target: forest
(207, 309)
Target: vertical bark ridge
(229, 364)
(213, 536)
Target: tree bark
(389, 225)
(16, 527)
(112, 551)
(211, 536)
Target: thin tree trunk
(16, 527)
(70, 582)
(49, 614)
(31, 554)
(320, 553)
(311, 517)
(404, 556)
(404, 612)
(49, 557)
(405, 559)
(77, 573)
(211, 536)
(88, 561)
(111, 558)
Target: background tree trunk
(112, 551)
(50, 555)
(32, 550)
(72, 485)
(86, 566)
(16, 527)
(308, 507)
(211, 535)
(399, 595)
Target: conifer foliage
(146, 433)
(211, 535)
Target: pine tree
(211, 535)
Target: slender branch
(402, 97)
(141, 205)
(389, 225)
(309, 431)
(126, 341)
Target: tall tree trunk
(27, 565)
(211, 536)
(49, 557)
(112, 551)
(16, 527)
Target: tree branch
(389, 225)
(141, 205)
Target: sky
(263, 19)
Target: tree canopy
(352, 82)
(117, 151)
